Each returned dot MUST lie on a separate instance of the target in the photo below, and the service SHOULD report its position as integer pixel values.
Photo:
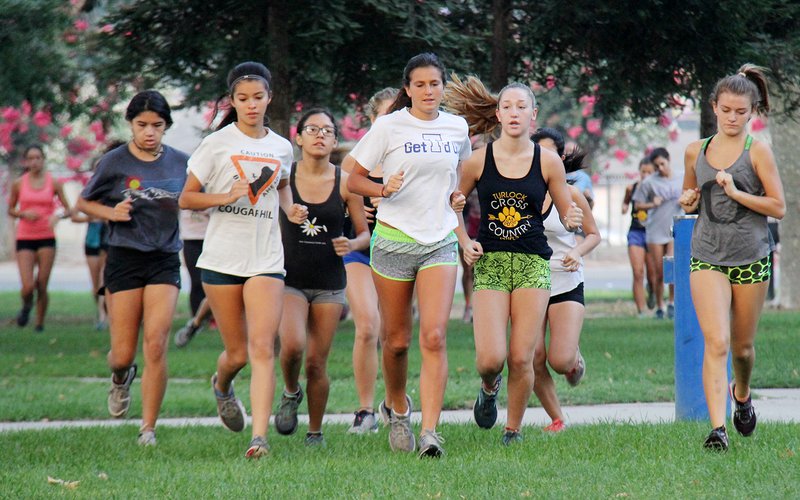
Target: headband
(741, 73)
(248, 77)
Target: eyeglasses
(314, 130)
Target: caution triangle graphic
(268, 168)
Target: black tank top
(309, 258)
(511, 209)
(638, 217)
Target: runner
(641, 261)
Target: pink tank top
(43, 202)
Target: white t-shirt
(243, 238)
(561, 241)
(428, 151)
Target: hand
(28, 215)
(240, 188)
(375, 200)
(342, 245)
(725, 181)
(472, 251)
(690, 199)
(573, 218)
(297, 213)
(657, 201)
(53, 221)
(394, 184)
(369, 213)
(571, 261)
(122, 211)
(457, 201)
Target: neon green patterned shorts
(747, 274)
(508, 271)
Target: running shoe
(555, 426)
(38, 328)
(286, 417)
(314, 439)
(400, 436)
(717, 440)
(744, 415)
(651, 297)
(147, 437)
(511, 436)
(670, 311)
(364, 423)
(229, 408)
(430, 444)
(119, 397)
(258, 448)
(24, 316)
(485, 408)
(575, 375)
(187, 333)
(659, 314)
(386, 412)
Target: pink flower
(100, 137)
(353, 96)
(11, 114)
(587, 99)
(587, 110)
(70, 37)
(612, 141)
(621, 154)
(65, 131)
(550, 82)
(96, 127)
(43, 137)
(25, 107)
(107, 28)
(594, 126)
(42, 118)
(631, 175)
(575, 132)
(757, 125)
(664, 120)
(536, 87)
(74, 163)
(298, 106)
(595, 178)
(293, 131)
(81, 24)
(673, 135)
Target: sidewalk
(772, 405)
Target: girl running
(565, 308)
(33, 202)
(136, 189)
(315, 277)
(512, 277)
(641, 261)
(732, 182)
(419, 149)
(658, 194)
(361, 294)
(242, 172)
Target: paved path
(772, 405)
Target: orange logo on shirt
(258, 182)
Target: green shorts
(747, 274)
(508, 271)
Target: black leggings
(191, 252)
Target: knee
(291, 352)
(638, 274)
(120, 360)
(316, 368)
(154, 351)
(716, 346)
(520, 363)
(743, 352)
(488, 364)
(396, 343)
(433, 339)
(366, 331)
(561, 364)
(261, 350)
(539, 360)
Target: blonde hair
(472, 100)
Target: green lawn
(61, 374)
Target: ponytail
(749, 80)
(471, 100)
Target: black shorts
(34, 245)
(129, 269)
(94, 251)
(210, 277)
(574, 295)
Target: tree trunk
(785, 132)
(277, 42)
(500, 10)
(708, 121)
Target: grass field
(61, 374)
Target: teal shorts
(509, 271)
(747, 274)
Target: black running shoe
(717, 440)
(24, 316)
(485, 407)
(744, 415)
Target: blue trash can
(690, 401)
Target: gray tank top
(728, 233)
